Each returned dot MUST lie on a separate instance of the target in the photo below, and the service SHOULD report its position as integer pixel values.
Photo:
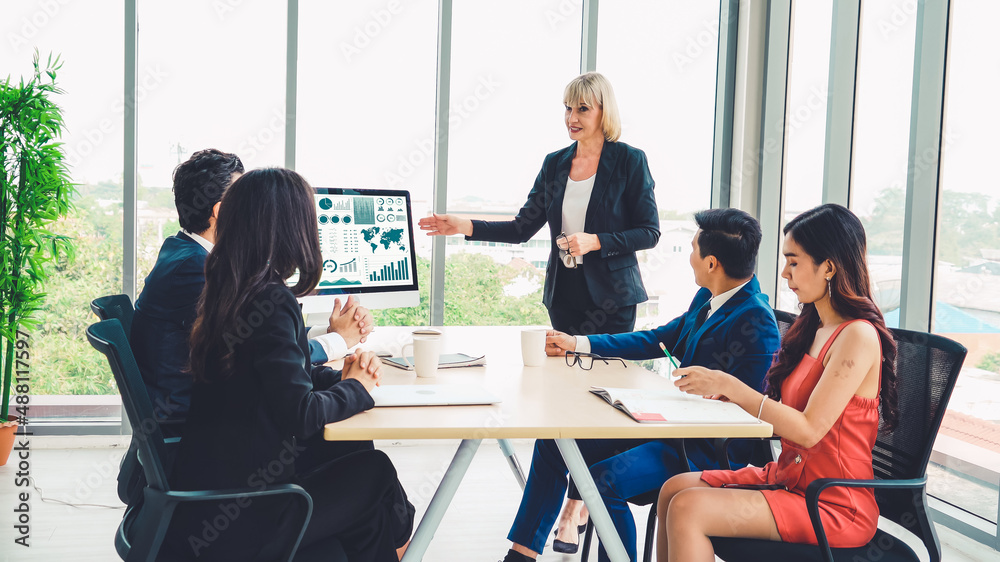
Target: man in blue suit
(729, 326)
(167, 306)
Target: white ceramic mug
(533, 346)
(426, 347)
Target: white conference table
(547, 402)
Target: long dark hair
(832, 232)
(265, 232)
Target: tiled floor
(474, 528)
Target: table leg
(515, 467)
(442, 499)
(580, 472)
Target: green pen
(670, 357)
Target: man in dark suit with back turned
(729, 326)
(167, 306)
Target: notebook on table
(671, 406)
(432, 395)
(447, 361)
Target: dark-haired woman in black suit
(256, 398)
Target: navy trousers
(621, 468)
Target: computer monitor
(366, 237)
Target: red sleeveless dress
(849, 515)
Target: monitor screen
(366, 237)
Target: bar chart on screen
(388, 270)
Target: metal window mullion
(129, 168)
(725, 88)
(841, 96)
(588, 37)
(770, 203)
(291, 81)
(747, 106)
(441, 135)
(924, 164)
(129, 173)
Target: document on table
(671, 406)
(447, 361)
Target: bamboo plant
(35, 190)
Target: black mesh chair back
(761, 453)
(130, 478)
(146, 534)
(108, 337)
(927, 368)
(115, 306)
(785, 321)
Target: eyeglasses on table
(586, 360)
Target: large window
(506, 114)
(668, 111)
(67, 374)
(805, 117)
(966, 295)
(881, 140)
(220, 87)
(366, 107)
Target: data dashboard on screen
(366, 238)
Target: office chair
(144, 540)
(647, 498)
(130, 479)
(927, 367)
(762, 453)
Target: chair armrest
(721, 446)
(816, 487)
(160, 505)
(180, 496)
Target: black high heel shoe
(568, 547)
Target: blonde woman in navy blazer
(600, 294)
(592, 282)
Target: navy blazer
(622, 213)
(164, 313)
(740, 338)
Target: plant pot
(7, 432)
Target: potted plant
(35, 190)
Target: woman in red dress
(834, 369)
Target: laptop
(432, 395)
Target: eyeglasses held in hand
(565, 255)
(586, 360)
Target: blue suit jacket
(740, 338)
(622, 213)
(164, 314)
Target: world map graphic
(385, 237)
